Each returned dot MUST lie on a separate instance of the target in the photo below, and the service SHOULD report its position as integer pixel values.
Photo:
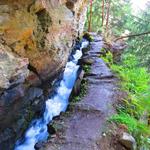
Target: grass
(135, 112)
(108, 58)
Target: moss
(89, 37)
(84, 85)
(86, 68)
(44, 21)
(108, 58)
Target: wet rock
(6, 139)
(88, 36)
(6, 134)
(33, 93)
(18, 125)
(77, 46)
(128, 141)
(33, 79)
(85, 50)
(38, 105)
(11, 95)
(77, 86)
(86, 61)
(38, 145)
(51, 129)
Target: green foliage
(119, 13)
(86, 68)
(108, 58)
(133, 70)
(122, 21)
(88, 36)
(96, 17)
(135, 80)
(139, 129)
(127, 120)
(135, 77)
(140, 46)
(82, 92)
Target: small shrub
(108, 58)
(86, 68)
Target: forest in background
(117, 22)
(115, 18)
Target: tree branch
(131, 35)
(108, 14)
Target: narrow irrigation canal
(82, 127)
(86, 120)
(38, 130)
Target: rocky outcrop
(36, 37)
(128, 141)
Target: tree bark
(131, 35)
(90, 18)
(108, 13)
(102, 13)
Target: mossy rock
(89, 37)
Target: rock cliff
(36, 38)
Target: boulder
(77, 86)
(39, 145)
(86, 60)
(128, 141)
(51, 129)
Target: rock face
(36, 37)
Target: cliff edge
(36, 38)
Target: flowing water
(38, 130)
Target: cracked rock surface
(36, 38)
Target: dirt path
(81, 128)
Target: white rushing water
(54, 106)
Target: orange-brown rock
(36, 38)
(42, 31)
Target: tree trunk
(108, 13)
(90, 18)
(102, 13)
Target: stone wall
(36, 37)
